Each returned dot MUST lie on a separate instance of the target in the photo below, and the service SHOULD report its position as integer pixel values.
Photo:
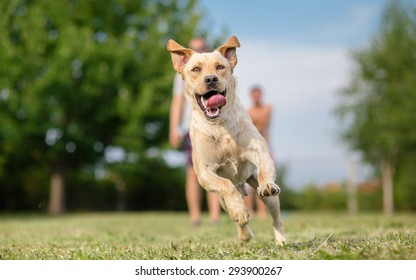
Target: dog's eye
(196, 69)
(220, 67)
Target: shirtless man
(260, 114)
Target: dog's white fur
(228, 150)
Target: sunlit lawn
(168, 235)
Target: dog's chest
(231, 165)
(226, 148)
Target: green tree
(77, 77)
(378, 107)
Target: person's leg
(193, 196)
(214, 207)
(192, 188)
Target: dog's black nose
(211, 80)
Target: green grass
(167, 235)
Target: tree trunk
(57, 193)
(352, 203)
(387, 183)
(121, 193)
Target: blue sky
(306, 22)
(298, 52)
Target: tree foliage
(377, 109)
(80, 77)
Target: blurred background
(85, 91)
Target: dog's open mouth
(211, 103)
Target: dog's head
(209, 81)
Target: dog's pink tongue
(216, 101)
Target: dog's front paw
(268, 189)
(237, 209)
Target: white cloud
(300, 83)
(358, 17)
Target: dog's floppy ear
(228, 50)
(180, 55)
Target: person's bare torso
(260, 116)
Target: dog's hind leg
(244, 233)
(273, 204)
(231, 200)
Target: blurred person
(260, 114)
(179, 124)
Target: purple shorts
(187, 146)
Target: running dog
(228, 150)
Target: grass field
(167, 235)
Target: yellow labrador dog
(227, 148)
